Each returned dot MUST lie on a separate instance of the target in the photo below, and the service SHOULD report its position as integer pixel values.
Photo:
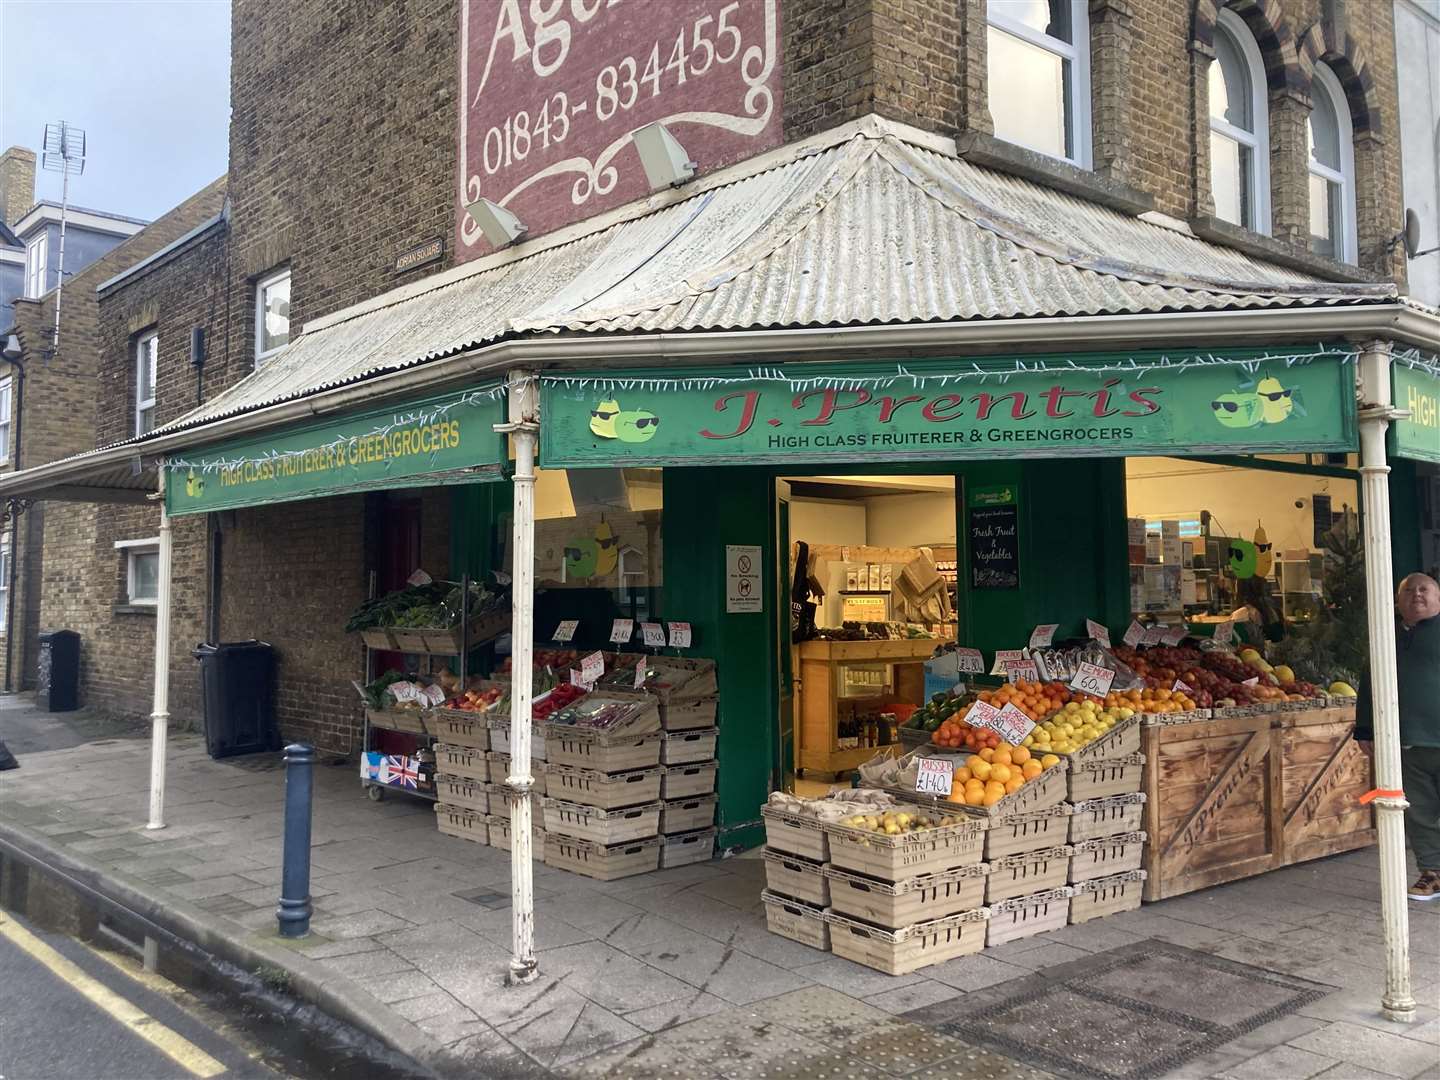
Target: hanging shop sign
(443, 440)
(1115, 404)
(551, 92)
(1416, 387)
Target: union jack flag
(401, 771)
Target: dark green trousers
(1420, 773)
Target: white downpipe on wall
(523, 429)
(1376, 413)
(160, 706)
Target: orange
(980, 770)
(1019, 756)
(1000, 773)
(1014, 784)
(1003, 756)
(955, 796)
(988, 754)
(1031, 769)
(961, 775)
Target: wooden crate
(462, 761)
(1026, 916)
(565, 745)
(411, 721)
(898, 952)
(902, 903)
(796, 834)
(609, 791)
(796, 921)
(1122, 740)
(800, 879)
(682, 849)
(461, 791)
(1107, 856)
(1097, 779)
(457, 727)
(1211, 809)
(601, 862)
(601, 826)
(687, 815)
(688, 747)
(1028, 873)
(462, 822)
(1322, 776)
(895, 858)
(409, 640)
(687, 781)
(378, 638)
(1106, 817)
(1028, 832)
(1098, 897)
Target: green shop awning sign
(1416, 387)
(441, 440)
(1294, 400)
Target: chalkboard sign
(995, 547)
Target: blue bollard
(293, 911)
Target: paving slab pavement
(667, 974)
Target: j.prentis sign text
(552, 89)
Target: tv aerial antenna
(62, 151)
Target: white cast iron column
(1375, 416)
(523, 429)
(160, 705)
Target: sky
(148, 80)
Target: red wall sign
(551, 89)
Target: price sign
(592, 666)
(1254, 680)
(679, 635)
(1224, 633)
(1154, 635)
(433, 695)
(1021, 671)
(1098, 632)
(1173, 636)
(1012, 725)
(1181, 686)
(1005, 656)
(1134, 634)
(577, 678)
(969, 660)
(566, 630)
(419, 577)
(653, 634)
(405, 693)
(622, 630)
(934, 776)
(640, 674)
(981, 714)
(1092, 679)
(1043, 635)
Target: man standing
(1417, 667)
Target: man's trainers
(1427, 886)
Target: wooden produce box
(682, 849)
(1107, 856)
(905, 855)
(1323, 773)
(567, 745)
(500, 772)
(608, 791)
(601, 826)
(599, 861)
(461, 761)
(796, 834)
(898, 952)
(915, 899)
(799, 879)
(482, 628)
(687, 781)
(1026, 916)
(1106, 817)
(688, 747)
(460, 791)
(1122, 740)
(459, 727)
(1097, 779)
(463, 822)
(500, 738)
(411, 721)
(1028, 832)
(1098, 897)
(687, 815)
(409, 640)
(378, 638)
(1028, 873)
(796, 921)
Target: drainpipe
(522, 428)
(160, 707)
(17, 410)
(1376, 412)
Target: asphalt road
(68, 1013)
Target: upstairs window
(6, 404)
(1332, 170)
(1239, 127)
(147, 357)
(1039, 75)
(37, 254)
(272, 314)
(142, 570)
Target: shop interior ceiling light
(665, 161)
(499, 225)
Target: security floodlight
(499, 225)
(665, 161)
(12, 350)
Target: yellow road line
(173, 1045)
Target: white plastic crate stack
(1106, 807)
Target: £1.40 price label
(1021, 671)
(1092, 679)
(934, 776)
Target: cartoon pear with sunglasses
(602, 419)
(1277, 402)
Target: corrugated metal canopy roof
(873, 229)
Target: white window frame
(37, 256)
(7, 552)
(132, 548)
(1258, 141)
(1079, 56)
(1326, 82)
(7, 404)
(143, 356)
(261, 285)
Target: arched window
(1239, 127)
(1332, 169)
(1039, 75)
